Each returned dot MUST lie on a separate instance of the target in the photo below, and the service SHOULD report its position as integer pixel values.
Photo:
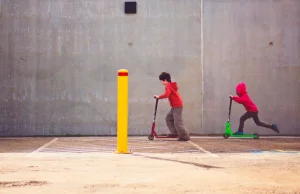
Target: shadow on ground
(178, 161)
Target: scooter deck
(243, 136)
(152, 136)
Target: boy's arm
(239, 100)
(167, 93)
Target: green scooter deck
(243, 136)
(228, 133)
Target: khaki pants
(175, 123)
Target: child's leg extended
(182, 132)
(243, 118)
(170, 123)
(262, 124)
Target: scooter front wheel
(151, 137)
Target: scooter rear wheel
(255, 136)
(151, 137)
(225, 135)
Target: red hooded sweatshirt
(172, 94)
(243, 98)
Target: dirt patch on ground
(22, 183)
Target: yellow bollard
(122, 122)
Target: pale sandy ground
(145, 173)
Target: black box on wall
(130, 7)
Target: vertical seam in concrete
(202, 65)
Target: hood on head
(174, 86)
(241, 89)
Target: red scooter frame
(153, 132)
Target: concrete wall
(59, 62)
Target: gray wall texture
(59, 62)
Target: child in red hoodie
(252, 111)
(174, 117)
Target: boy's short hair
(165, 76)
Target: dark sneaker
(275, 128)
(239, 133)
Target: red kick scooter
(153, 132)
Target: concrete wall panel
(59, 61)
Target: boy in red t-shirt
(174, 117)
(252, 111)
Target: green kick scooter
(228, 133)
